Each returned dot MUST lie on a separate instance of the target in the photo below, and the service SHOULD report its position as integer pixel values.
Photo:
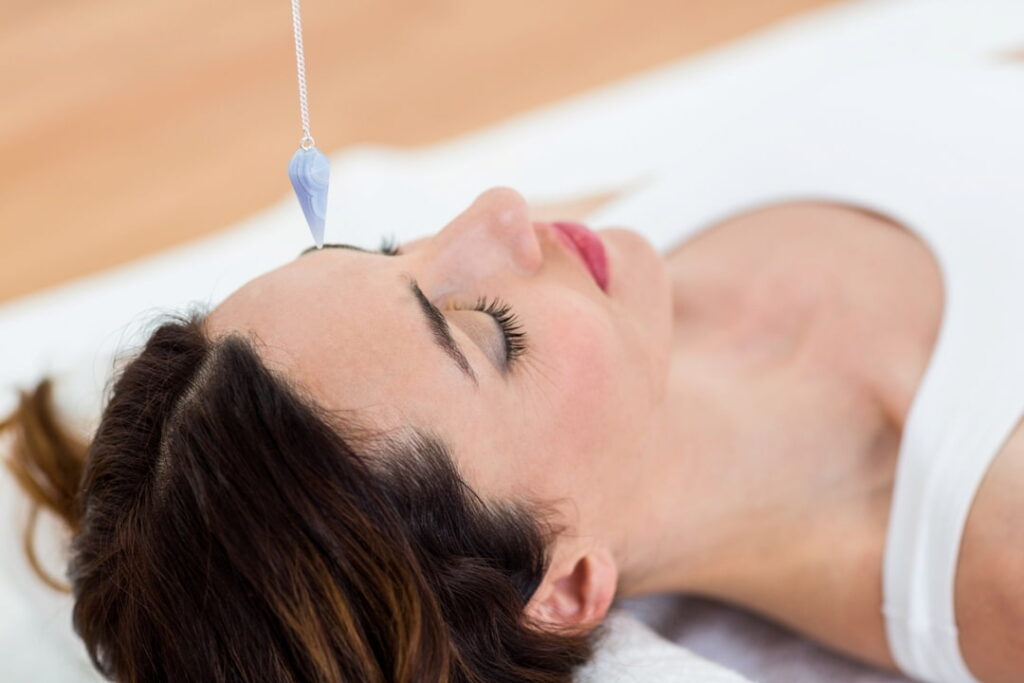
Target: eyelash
(389, 246)
(511, 329)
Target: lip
(585, 243)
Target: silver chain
(300, 61)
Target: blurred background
(129, 127)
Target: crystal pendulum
(309, 170)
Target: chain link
(300, 61)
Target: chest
(843, 288)
(832, 288)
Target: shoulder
(989, 594)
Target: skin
(585, 397)
(711, 424)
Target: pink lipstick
(588, 246)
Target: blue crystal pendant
(310, 173)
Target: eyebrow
(442, 333)
(442, 330)
(334, 245)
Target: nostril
(520, 242)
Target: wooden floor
(127, 127)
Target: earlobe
(579, 593)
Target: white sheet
(613, 136)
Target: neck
(763, 451)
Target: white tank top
(940, 150)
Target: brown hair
(227, 528)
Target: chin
(637, 271)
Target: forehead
(345, 326)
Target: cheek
(587, 374)
(592, 390)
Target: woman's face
(568, 418)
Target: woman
(446, 460)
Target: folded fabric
(632, 653)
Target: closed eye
(511, 330)
(513, 336)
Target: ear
(576, 591)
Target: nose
(493, 234)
